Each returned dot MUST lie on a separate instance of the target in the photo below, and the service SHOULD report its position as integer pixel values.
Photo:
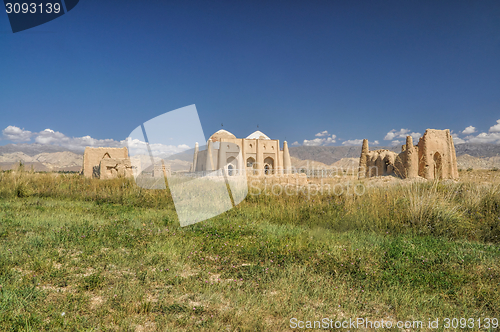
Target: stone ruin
(432, 158)
(161, 170)
(106, 163)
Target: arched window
(250, 162)
(387, 166)
(438, 166)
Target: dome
(221, 134)
(257, 135)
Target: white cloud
(52, 137)
(354, 142)
(322, 134)
(456, 139)
(492, 137)
(313, 142)
(415, 136)
(495, 128)
(49, 136)
(295, 143)
(320, 141)
(16, 134)
(469, 130)
(396, 142)
(396, 134)
(137, 147)
(485, 138)
(402, 133)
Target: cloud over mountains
(16, 134)
(55, 138)
(322, 138)
(327, 139)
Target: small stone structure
(106, 163)
(432, 158)
(161, 170)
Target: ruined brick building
(106, 163)
(432, 158)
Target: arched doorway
(388, 166)
(232, 166)
(438, 166)
(268, 166)
(230, 170)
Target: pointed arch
(438, 166)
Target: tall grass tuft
(456, 210)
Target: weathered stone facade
(432, 158)
(112, 168)
(106, 163)
(259, 155)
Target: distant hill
(33, 149)
(478, 150)
(330, 154)
(55, 161)
(466, 161)
(56, 158)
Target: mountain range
(331, 154)
(55, 158)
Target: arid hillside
(480, 156)
(53, 158)
(55, 161)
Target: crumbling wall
(112, 168)
(433, 158)
(407, 161)
(437, 157)
(376, 163)
(92, 158)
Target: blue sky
(365, 69)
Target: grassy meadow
(90, 255)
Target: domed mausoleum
(259, 154)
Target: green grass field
(91, 255)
